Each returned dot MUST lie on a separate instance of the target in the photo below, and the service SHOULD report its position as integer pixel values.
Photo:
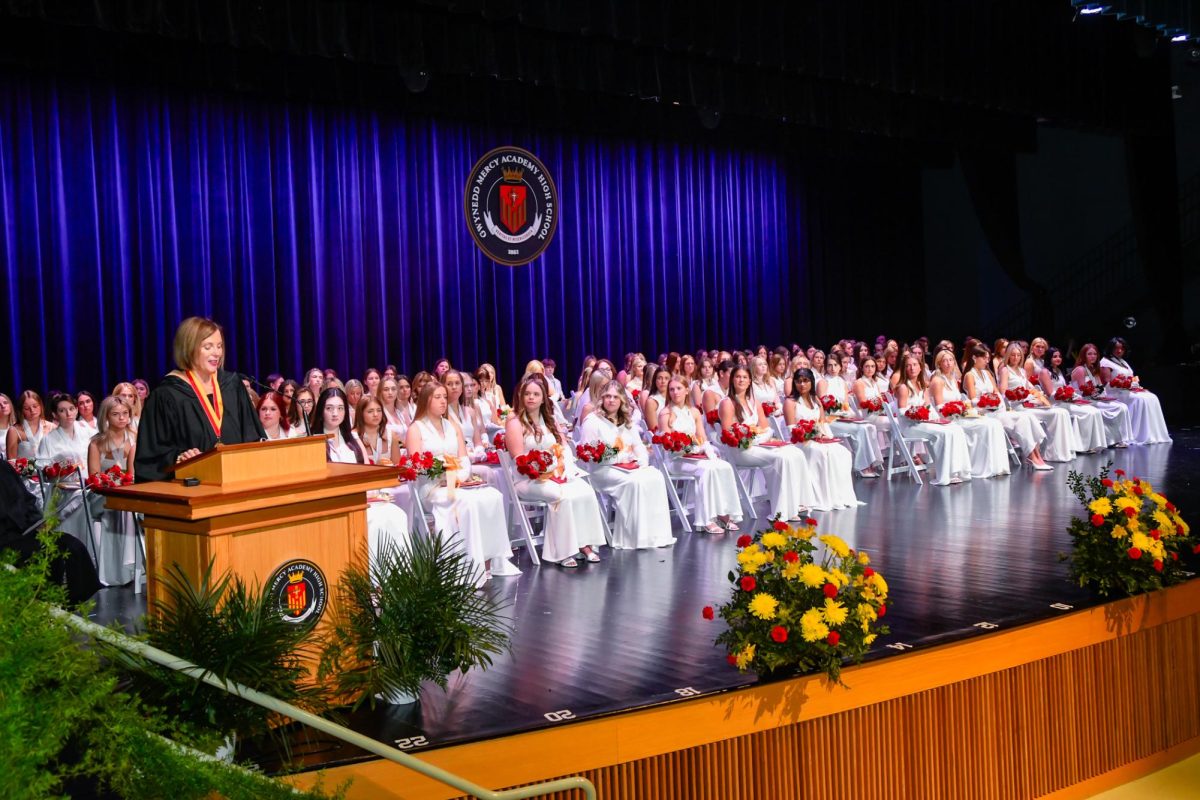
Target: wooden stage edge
(1060, 708)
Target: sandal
(592, 556)
(713, 527)
(568, 563)
(731, 526)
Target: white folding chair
(660, 459)
(899, 445)
(605, 502)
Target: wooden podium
(275, 513)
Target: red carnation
(882, 610)
(744, 541)
(833, 638)
(1171, 507)
(748, 583)
(732, 660)
(1120, 473)
(1134, 553)
(779, 633)
(656, 439)
(830, 590)
(1174, 556)
(711, 417)
(707, 613)
(1155, 534)
(1158, 565)
(1106, 483)
(1195, 549)
(779, 525)
(1129, 512)
(1137, 490)
(810, 522)
(1136, 479)
(1097, 520)
(791, 557)
(868, 572)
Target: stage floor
(627, 633)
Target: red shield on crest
(297, 598)
(512, 206)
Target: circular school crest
(511, 205)
(299, 589)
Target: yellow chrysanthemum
(1101, 506)
(774, 539)
(839, 577)
(763, 605)
(1183, 528)
(863, 558)
(1142, 542)
(1128, 502)
(801, 533)
(879, 583)
(1119, 532)
(1163, 523)
(869, 638)
(812, 629)
(866, 626)
(836, 545)
(834, 612)
(791, 570)
(866, 612)
(812, 575)
(1157, 550)
(745, 657)
(1158, 499)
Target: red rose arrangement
(711, 417)
(596, 452)
(674, 442)
(1064, 394)
(739, 435)
(1121, 382)
(25, 469)
(1089, 389)
(917, 413)
(498, 440)
(111, 478)
(491, 457)
(635, 393)
(768, 409)
(830, 403)
(804, 430)
(872, 405)
(58, 470)
(423, 464)
(1016, 394)
(535, 464)
(952, 409)
(988, 401)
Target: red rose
(1129, 512)
(833, 638)
(1119, 473)
(882, 610)
(779, 633)
(1158, 565)
(656, 439)
(744, 541)
(1097, 520)
(830, 590)
(707, 613)
(1134, 553)
(1106, 483)
(732, 660)
(1156, 533)
(779, 525)
(791, 557)
(1136, 479)
(868, 572)
(810, 522)
(1174, 556)
(711, 417)
(748, 583)
(1137, 490)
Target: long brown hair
(737, 407)
(624, 414)
(545, 414)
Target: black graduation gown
(173, 422)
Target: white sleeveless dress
(28, 447)
(1087, 419)
(1145, 411)
(114, 532)
(1116, 415)
(863, 440)
(474, 517)
(386, 522)
(716, 489)
(59, 447)
(985, 436)
(788, 480)
(1024, 431)
(768, 393)
(1058, 445)
(947, 443)
(649, 421)
(396, 426)
(573, 519)
(639, 495)
(875, 389)
(831, 466)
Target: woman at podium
(196, 407)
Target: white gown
(768, 393)
(114, 532)
(1058, 445)
(1115, 413)
(831, 465)
(985, 437)
(1087, 419)
(716, 489)
(639, 495)
(947, 443)
(397, 428)
(28, 447)
(573, 519)
(863, 440)
(475, 517)
(1025, 431)
(57, 447)
(789, 481)
(386, 522)
(1145, 412)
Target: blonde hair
(106, 406)
(135, 407)
(188, 337)
(12, 411)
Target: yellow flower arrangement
(763, 606)
(1101, 505)
(774, 540)
(813, 576)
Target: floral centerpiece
(1131, 538)
(1017, 394)
(952, 409)
(917, 413)
(675, 442)
(872, 405)
(988, 401)
(1121, 382)
(830, 403)
(110, 478)
(535, 465)
(738, 435)
(1064, 394)
(26, 469)
(792, 610)
(596, 452)
(804, 430)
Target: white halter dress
(1117, 427)
(862, 439)
(1022, 429)
(830, 463)
(386, 522)
(573, 519)
(1145, 411)
(947, 443)
(1058, 445)
(985, 436)
(716, 487)
(1087, 419)
(788, 480)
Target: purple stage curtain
(335, 236)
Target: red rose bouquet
(952, 409)
(1064, 394)
(26, 469)
(111, 478)
(711, 417)
(596, 452)
(423, 464)
(1089, 389)
(1016, 394)
(635, 394)
(872, 405)
(988, 401)
(739, 435)
(535, 464)
(917, 413)
(674, 442)
(58, 470)
(830, 403)
(498, 440)
(1121, 382)
(804, 430)
(768, 409)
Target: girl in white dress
(639, 493)
(1058, 445)
(947, 443)
(1145, 412)
(388, 395)
(716, 507)
(116, 537)
(985, 436)
(1089, 422)
(1036, 361)
(8, 421)
(386, 522)
(490, 391)
(270, 414)
(573, 521)
(67, 443)
(354, 394)
(463, 413)
(1022, 429)
(830, 463)
(634, 372)
(590, 401)
(25, 439)
(763, 386)
(870, 387)
(404, 400)
(85, 402)
(1088, 381)
(129, 393)
(706, 381)
(475, 516)
(372, 434)
(687, 370)
(863, 440)
(654, 398)
(789, 483)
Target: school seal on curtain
(299, 589)
(511, 205)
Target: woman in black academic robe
(185, 412)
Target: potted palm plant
(414, 615)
